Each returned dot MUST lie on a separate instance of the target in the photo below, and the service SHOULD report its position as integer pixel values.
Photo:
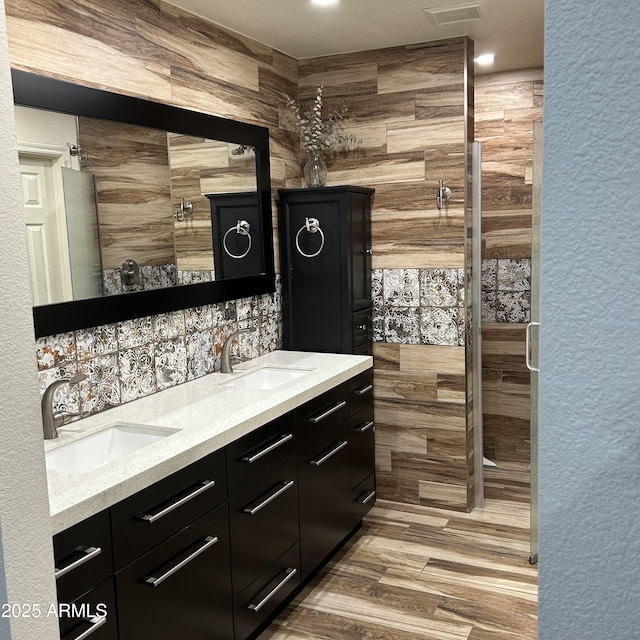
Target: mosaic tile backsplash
(506, 290)
(135, 358)
(419, 306)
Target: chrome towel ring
(311, 225)
(242, 228)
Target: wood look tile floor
(419, 573)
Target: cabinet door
(259, 602)
(313, 291)
(360, 251)
(263, 522)
(325, 490)
(181, 588)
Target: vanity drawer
(83, 556)
(322, 414)
(257, 603)
(364, 498)
(361, 430)
(92, 614)
(257, 453)
(153, 514)
(263, 523)
(361, 391)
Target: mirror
(163, 208)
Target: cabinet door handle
(289, 573)
(154, 581)
(362, 390)
(367, 498)
(341, 445)
(362, 327)
(282, 487)
(527, 348)
(365, 427)
(96, 622)
(87, 554)
(268, 449)
(325, 414)
(152, 517)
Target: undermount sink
(98, 449)
(267, 378)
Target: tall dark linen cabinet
(325, 260)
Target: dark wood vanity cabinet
(325, 258)
(216, 549)
(336, 468)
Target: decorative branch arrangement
(317, 134)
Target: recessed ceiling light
(485, 59)
(324, 2)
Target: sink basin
(267, 378)
(105, 446)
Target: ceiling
(511, 29)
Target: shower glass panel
(82, 231)
(476, 318)
(533, 331)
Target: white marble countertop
(208, 414)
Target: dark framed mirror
(144, 177)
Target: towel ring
(311, 225)
(242, 228)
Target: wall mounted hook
(186, 209)
(444, 194)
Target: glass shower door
(533, 331)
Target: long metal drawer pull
(209, 541)
(325, 414)
(290, 572)
(341, 445)
(88, 554)
(362, 390)
(369, 497)
(284, 486)
(263, 452)
(96, 622)
(365, 427)
(152, 517)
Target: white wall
(590, 306)
(27, 558)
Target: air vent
(455, 13)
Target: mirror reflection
(113, 207)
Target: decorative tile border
(506, 290)
(418, 306)
(136, 358)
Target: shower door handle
(527, 348)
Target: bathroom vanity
(209, 531)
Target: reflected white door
(46, 231)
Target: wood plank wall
(506, 105)
(133, 194)
(407, 105)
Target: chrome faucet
(225, 366)
(49, 419)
